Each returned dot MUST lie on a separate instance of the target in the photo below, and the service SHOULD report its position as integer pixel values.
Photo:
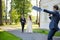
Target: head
(22, 16)
(55, 7)
(30, 17)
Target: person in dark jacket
(54, 20)
(23, 21)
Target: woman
(29, 24)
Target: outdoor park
(36, 28)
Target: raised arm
(40, 9)
(50, 12)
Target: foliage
(3, 8)
(14, 16)
(22, 6)
(19, 7)
(3, 5)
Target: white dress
(29, 26)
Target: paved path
(29, 36)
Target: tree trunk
(39, 12)
(1, 23)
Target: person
(29, 24)
(23, 21)
(54, 20)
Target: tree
(1, 23)
(14, 16)
(3, 10)
(22, 6)
(37, 12)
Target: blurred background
(11, 10)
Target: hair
(30, 17)
(56, 7)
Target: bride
(29, 24)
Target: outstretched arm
(50, 12)
(40, 9)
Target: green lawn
(7, 36)
(44, 31)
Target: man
(23, 21)
(54, 20)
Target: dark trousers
(51, 34)
(22, 27)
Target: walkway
(29, 36)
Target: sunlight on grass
(1, 30)
(7, 36)
(34, 26)
(44, 31)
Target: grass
(44, 31)
(7, 36)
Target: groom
(54, 20)
(23, 21)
